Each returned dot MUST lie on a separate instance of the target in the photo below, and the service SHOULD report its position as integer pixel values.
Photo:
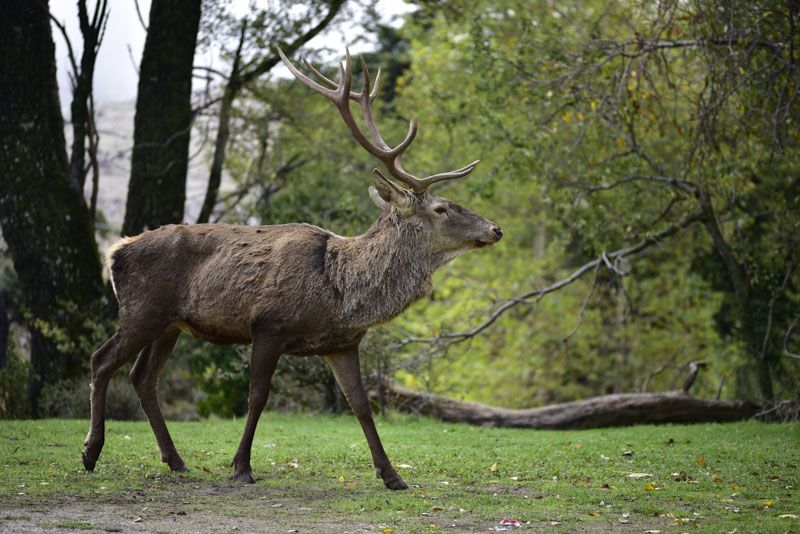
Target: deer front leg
(346, 369)
(263, 361)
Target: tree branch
(270, 61)
(538, 294)
(683, 185)
(786, 339)
(139, 15)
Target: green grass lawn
(314, 473)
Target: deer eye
(440, 209)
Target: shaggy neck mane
(379, 274)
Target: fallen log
(604, 411)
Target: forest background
(641, 157)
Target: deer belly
(225, 335)
(326, 343)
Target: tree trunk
(596, 412)
(736, 275)
(220, 145)
(4, 328)
(162, 126)
(45, 221)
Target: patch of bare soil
(201, 509)
(184, 505)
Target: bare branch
(537, 294)
(290, 48)
(133, 60)
(683, 185)
(786, 338)
(139, 15)
(70, 53)
(585, 304)
(771, 310)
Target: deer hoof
(244, 478)
(88, 463)
(180, 468)
(395, 484)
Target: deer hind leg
(263, 361)
(120, 348)
(346, 369)
(144, 377)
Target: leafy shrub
(15, 378)
(69, 399)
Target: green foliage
(712, 477)
(69, 399)
(15, 379)
(222, 378)
(567, 108)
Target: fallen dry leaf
(649, 487)
(789, 516)
(493, 468)
(639, 475)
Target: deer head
(445, 226)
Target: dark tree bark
(45, 221)
(4, 328)
(596, 412)
(162, 126)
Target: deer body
(288, 289)
(294, 280)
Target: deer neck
(379, 274)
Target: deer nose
(497, 232)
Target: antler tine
(324, 79)
(365, 102)
(311, 84)
(332, 85)
(345, 80)
(377, 85)
(442, 176)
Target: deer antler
(340, 94)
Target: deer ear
(385, 193)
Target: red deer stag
(291, 289)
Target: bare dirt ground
(233, 509)
(198, 509)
